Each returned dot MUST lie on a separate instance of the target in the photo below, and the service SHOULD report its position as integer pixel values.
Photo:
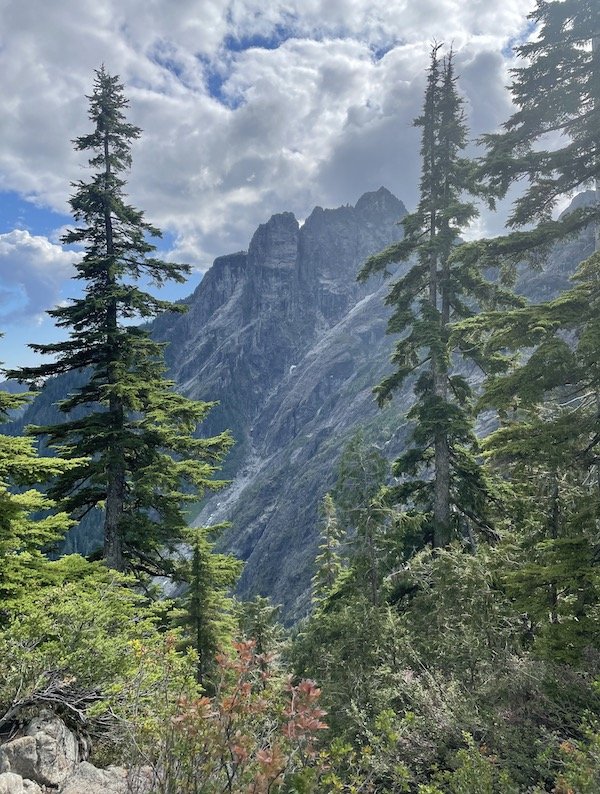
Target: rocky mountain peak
(587, 198)
(334, 243)
(380, 203)
(275, 243)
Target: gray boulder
(47, 754)
(14, 784)
(47, 758)
(88, 779)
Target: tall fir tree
(143, 461)
(547, 392)
(552, 528)
(328, 562)
(362, 473)
(557, 93)
(551, 140)
(440, 471)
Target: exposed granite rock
(46, 758)
(274, 244)
(46, 754)
(14, 784)
(88, 779)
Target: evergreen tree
(440, 471)
(136, 432)
(258, 620)
(328, 562)
(547, 390)
(207, 615)
(26, 526)
(557, 93)
(357, 495)
(552, 529)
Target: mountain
(291, 346)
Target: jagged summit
(380, 201)
(274, 243)
(586, 198)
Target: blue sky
(246, 108)
(18, 297)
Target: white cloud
(32, 270)
(320, 118)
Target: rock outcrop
(47, 752)
(46, 759)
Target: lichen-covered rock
(56, 747)
(47, 759)
(19, 757)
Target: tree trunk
(115, 497)
(439, 376)
(115, 474)
(596, 83)
(441, 507)
(596, 70)
(373, 567)
(554, 530)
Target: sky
(248, 107)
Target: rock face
(291, 347)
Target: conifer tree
(207, 615)
(328, 562)
(26, 526)
(552, 515)
(547, 390)
(136, 432)
(362, 475)
(440, 471)
(258, 620)
(557, 93)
